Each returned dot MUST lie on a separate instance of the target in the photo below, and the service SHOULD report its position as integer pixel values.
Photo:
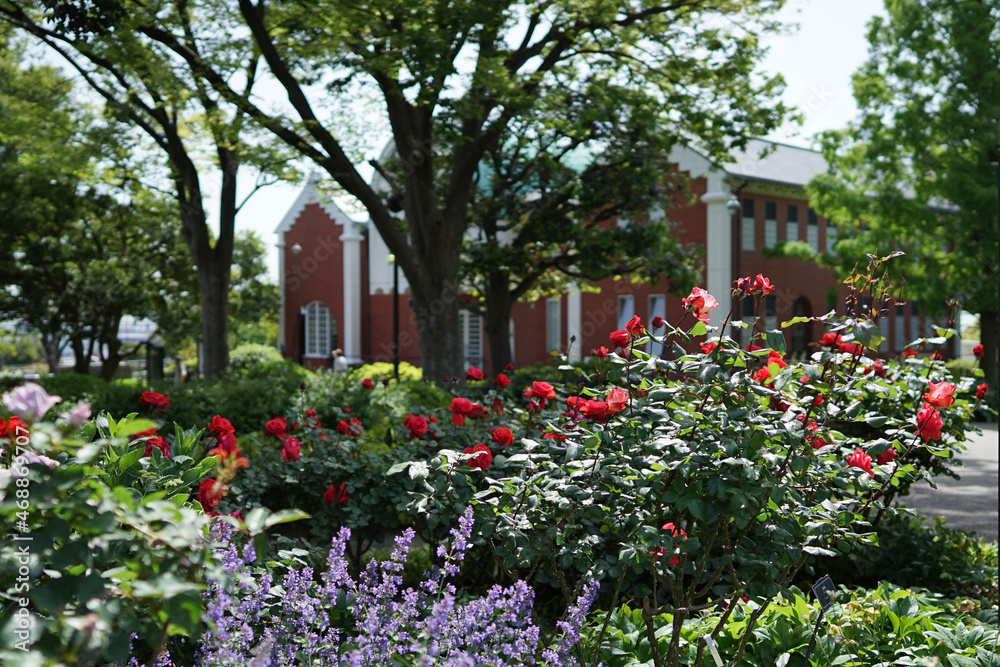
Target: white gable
(310, 195)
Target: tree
(453, 76)
(547, 211)
(183, 118)
(254, 300)
(912, 172)
(79, 251)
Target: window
(770, 312)
(748, 231)
(318, 329)
(792, 228)
(553, 325)
(657, 308)
(770, 224)
(472, 338)
(812, 231)
(831, 237)
(883, 327)
(626, 310)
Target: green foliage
(252, 359)
(72, 386)
(254, 301)
(18, 348)
(887, 625)
(911, 553)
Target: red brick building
(336, 272)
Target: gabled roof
(774, 162)
(310, 195)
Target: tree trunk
(214, 281)
(111, 362)
(989, 329)
(441, 349)
(498, 316)
(81, 358)
(52, 350)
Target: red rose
(596, 411)
(617, 400)
(144, 434)
(474, 374)
(981, 390)
(277, 427)
(929, 423)
(744, 285)
(762, 376)
(209, 495)
(762, 284)
(160, 444)
(601, 352)
(634, 326)
(336, 495)
(775, 358)
(675, 532)
(909, 352)
(831, 340)
(558, 437)
(501, 381)
(367, 383)
(886, 457)
(815, 441)
(699, 302)
(543, 391)
(708, 347)
(290, 450)
(978, 351)
(657, 322)
(416, 425)
(940, 394)
(460, 406)
(850, 348)
(155, 400)
(860, 460)
(533, 407)
(502, 436)
(878, 368)
(620, 338)
(310, 413)
(352, 428)
(482, 460)
(220, 426)
(458, 420)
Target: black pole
(298, 311)
(395, 320)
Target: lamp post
(297, 356)
(395, 317)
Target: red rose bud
(620, 338)
(290, 450)
(336, 495)
(367, 383)
(474, 374)
(744, 285)
(860, 460)
(981, 391)
(886, 457)
(501, 381)
(601, 352)
(657, 322)
(209, 494)
(762, 284)
(978, 351)
(220, 426)
(634, 326)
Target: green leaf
(285, 516)
(776, 341)
(132, 427)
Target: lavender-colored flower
(79, 415)
(29, 401)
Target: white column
(574, 322)
(282, 286)
(350, 328)
(718, 250)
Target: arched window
(319, 326)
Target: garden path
(971, 502)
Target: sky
(816, 60)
